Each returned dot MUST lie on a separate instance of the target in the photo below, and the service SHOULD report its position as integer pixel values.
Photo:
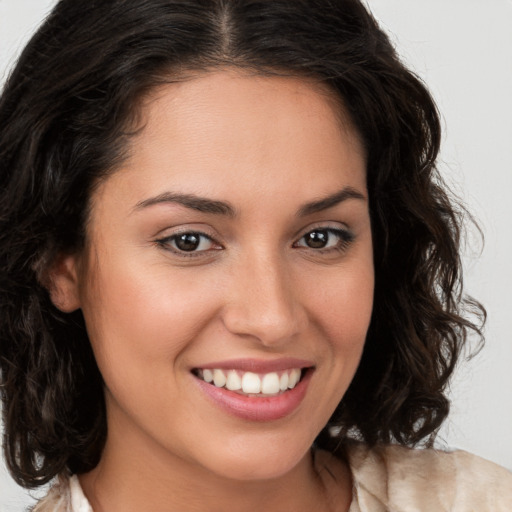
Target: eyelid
(165, 241)
(327, 226)
(346, 236)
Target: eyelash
(345, 238)
(167, 242)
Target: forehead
(228, 132)
(241, 89)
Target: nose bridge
(263, 302)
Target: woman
(230, 272)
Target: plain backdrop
(463, 51)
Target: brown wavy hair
(65, 117)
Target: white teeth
(219, 379)
(294, 378)
(270, 384)
(251, 383)
(233, 382)
(283, 382)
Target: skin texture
(267, 146)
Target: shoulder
(64, 496)
(398, 478)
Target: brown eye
(326, 238)
(317, 239)
(187, 242)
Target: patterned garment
(386, 479)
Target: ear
(62, 283)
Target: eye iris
(188, 242)
(317, 239)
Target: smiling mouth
(250, 383)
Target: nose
(263, 302)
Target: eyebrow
(191, 201)
(205, 205)
(330, 201)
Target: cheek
(144, 314)
(345, 314)
(345, 306)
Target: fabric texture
(385, 479)
(398, 479)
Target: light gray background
(463, 50)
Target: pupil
(317, 239)
(187, 242)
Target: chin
(249, 461)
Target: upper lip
(258, 365)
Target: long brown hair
(65, 117)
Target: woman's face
(234, 244)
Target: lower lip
(268, 408)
